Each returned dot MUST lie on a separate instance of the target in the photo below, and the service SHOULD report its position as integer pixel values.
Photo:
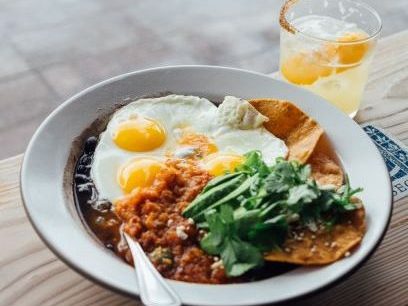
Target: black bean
(81, 169)
(90, 145)
(85, 160)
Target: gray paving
(51, 49)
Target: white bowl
(46, 180)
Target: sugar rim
(286, 25)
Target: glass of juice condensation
(327, 47)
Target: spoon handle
(154, 290)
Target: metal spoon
(154, 290)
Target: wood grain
(32, 275)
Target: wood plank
(36, 277)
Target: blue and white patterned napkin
(395, 155)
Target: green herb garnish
(223, 239)
(252, 209)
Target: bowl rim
(84, 272)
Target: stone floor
(51, 49)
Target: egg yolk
(138, 172)
(139, 135)
(218, 164)
(203, 145)
(306, 68)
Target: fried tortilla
(286, 121)
(306, 247)
(325, 165)
(306, 142)
(304, 138)
(325, 171)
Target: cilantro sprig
(252, 209)
(224, 238)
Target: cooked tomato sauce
(153, 216)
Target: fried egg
(237, 141)
(143, 134)
(138, 137)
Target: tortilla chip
(286, 121)
(304, 137)
(306, 142)
(305, 247)
(325, 165)
(325, 171)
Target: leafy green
(254, 164)
(232, 196)
(212, 195)
(219, 180)
(301, 194)
(269, 234)
(237, 255)
(285, 175)
(252, 209)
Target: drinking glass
(327, 47)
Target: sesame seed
(313, 236)
(333, 244)
(347, 254)
(301, 234)
(299, 238)
(190, 220)
(169, 222)
(327, 243)
(313, 249)
(216, 258)
(287, 250)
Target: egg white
(239, 129)
(173, 112)
(237, 141)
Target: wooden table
(30, 274)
